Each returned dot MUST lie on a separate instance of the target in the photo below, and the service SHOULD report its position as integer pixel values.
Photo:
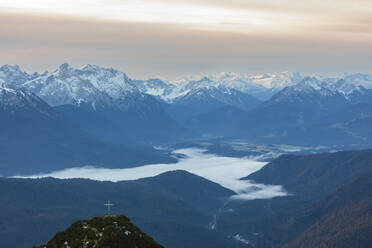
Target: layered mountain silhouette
(174, 208)
(105, 103)
(328, 203)
(36, 137)
(311, 112)
(114, 108)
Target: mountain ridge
(109, 105)
(37, 138)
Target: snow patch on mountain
(328, 87)
(15, 100)
(91, 84)
(12, 75)
(106, 86)
(113, 82)
(260, 86)
(241, 239)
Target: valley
(226, 171)
(226, 160)
(185, 124)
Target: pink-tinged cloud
(171, 38)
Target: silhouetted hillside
(329, 189)
(108, 231)
(314, 175)
(344, 219)
(169, 207)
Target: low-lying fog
(225, 171)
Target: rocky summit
(102, 232)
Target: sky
(170, 38)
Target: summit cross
(108, 205)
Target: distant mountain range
(261, 86)
(314, 112)
(89, 115)
(104, 102)
(91, 83)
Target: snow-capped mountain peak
(309, 84)
(359, 79)
(260, 86)
(91, 67)
(65, 67)
(12, 75)
(156, 87)
(14, 69)
(90, 84)
(98, 85)
(313, 87)
(204, 82)
(277, 80)
(113, 82)
(15, 100)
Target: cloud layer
(171, 38)
(233, 15)
(225, 171)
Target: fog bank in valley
(225, 171)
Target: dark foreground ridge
(99, 232)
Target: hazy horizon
(190, 77)
(173, 38)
